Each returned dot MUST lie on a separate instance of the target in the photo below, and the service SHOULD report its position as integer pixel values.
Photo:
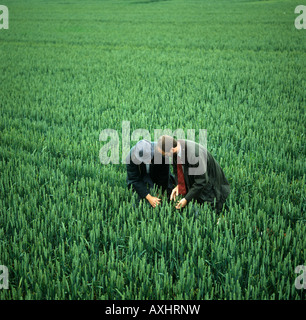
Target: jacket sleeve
(201, 180)
(160, 175)
(134, 179)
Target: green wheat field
(69, 227)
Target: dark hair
(165, 143)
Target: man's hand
(181, 204)
(154, 201)
(174, 193)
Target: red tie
(180, 177)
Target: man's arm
(139, 185)
(160, 175)
(201, 181)
(134, 178)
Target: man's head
(167, 146)
(142, 152)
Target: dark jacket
(159, 174)
(210, 185)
